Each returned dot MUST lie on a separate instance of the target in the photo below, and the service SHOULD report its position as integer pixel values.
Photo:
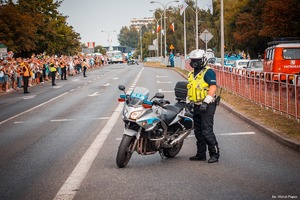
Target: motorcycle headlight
(136, 114)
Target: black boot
(198, 157)
(214, 154)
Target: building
(137, 23)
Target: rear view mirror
(159, 95)
(121, 87)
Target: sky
(90, 17)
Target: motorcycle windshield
(138, 96)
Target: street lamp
(108, 35)
(165, 32)
(161, 16)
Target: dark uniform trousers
(203, 123)
(26, 81)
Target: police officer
(53, 73)
(202, 88)
(26, 76)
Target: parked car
(240, 65)
(255, 65)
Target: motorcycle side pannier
(181, 90)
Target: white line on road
(61, 120)
(94, 94)
(163, 82)
(29, 97)
(240, 133)
(160, 90)
(31, 109)
(73, 182)
(102, 118)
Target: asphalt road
(61, 142)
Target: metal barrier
(280, 92)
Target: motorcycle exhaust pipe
(180, 138)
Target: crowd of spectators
(11, 71)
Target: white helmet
(197, 54)
(198, 58)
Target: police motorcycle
(132, 62)
(153, 125)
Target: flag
(91, 44)
(172, 27)
(158, 28)
(210, 6)
(182, 6)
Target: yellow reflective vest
(197, 87)
(52, 69)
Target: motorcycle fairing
(129, 132)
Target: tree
(128, 37)
(16, 29)
(36, 26)
(285, 24)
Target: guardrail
(280, 92)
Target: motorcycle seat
(173, 110)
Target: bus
(114, 56)
(282, 57)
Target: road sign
(172, 47)
(206, 36)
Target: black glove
(190, 107)
(203, 107)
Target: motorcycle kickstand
(162, 155)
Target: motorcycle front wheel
(172, 152)
(124, 151)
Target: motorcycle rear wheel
(124, 152)
(172, 152)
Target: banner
(91, 44)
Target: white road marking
(102, 118)
(107, 84)
(31, 109)
(73, 182)
(56, 87)
(160, 90)
(29, 97)
(161, 76)
(94, 94)
(115, 78)
(163, 82)
(61, 120)
(240, 133)
(19, 122)
(230, 134)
